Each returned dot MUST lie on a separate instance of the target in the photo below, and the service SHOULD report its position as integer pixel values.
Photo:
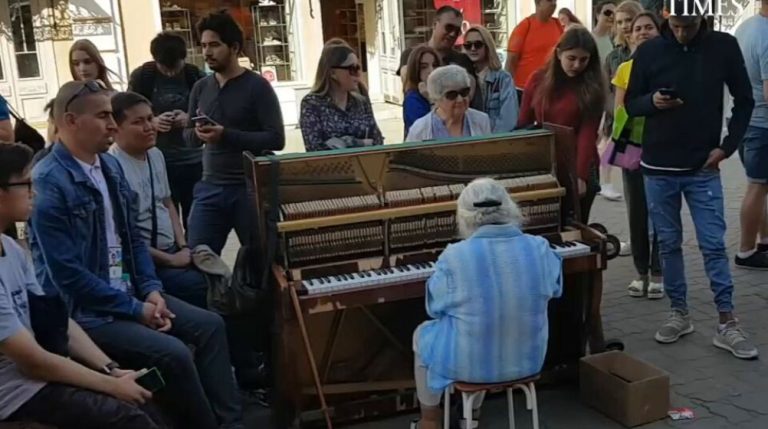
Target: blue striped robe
(489, 297)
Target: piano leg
(594, 315)
(310, 357)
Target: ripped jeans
(703, 193)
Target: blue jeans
(753, 151)
(200, 390)
(189, 285)
(215, 211)
(703, 193)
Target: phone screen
(151, 380)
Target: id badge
(115, 263)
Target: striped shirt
(488, 298)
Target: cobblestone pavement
(724, 392)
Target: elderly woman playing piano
(449, 87)
(488, 297)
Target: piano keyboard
(405, 273)
(570, 249)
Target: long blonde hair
(92, 51)
(494, 62)
(631, 8)
(333, 55)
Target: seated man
(36, 385)
(158, 221)
(86, 245)
(488, 295)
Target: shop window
(177, 20)
(495, 20)
(24, 43)
(418, 16)
(272, 38)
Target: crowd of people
(130, 206)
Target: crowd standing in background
(134, 198)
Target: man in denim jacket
(86, 247)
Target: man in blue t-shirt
(753, 40)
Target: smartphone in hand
(669, 92)
(151, 380)
(203, 120)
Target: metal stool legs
(468, 399)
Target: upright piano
(353, 235)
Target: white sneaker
(625, 249)
(636, 288)
(610, 194)
(655, 290)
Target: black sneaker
(762, 248)
(758, 261)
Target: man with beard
(233, 110)
(445, 32)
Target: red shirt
(563, 109)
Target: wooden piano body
(380, 210)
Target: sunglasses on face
(477, 45)
(452, 29)
(91, 86)
(608, 12)
(353, 70)
(27, 183)
(452, 95)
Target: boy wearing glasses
(37, 385)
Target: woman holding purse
(645, 251)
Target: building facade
(283, 38)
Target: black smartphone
(151, 380)
(203, 120)
(669, 92)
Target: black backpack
(148, 73)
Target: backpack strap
(191, 74)
(147, 76)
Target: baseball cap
(70, 91)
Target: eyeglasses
(27, 183)
(477, 45)
(452, 95)
(93, 86)
(452, 29)
(353, 70)
(608, 12)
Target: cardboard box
(625, 389)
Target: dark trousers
(200, 389)
(182, 180)
(68, 407)
(519, 97)
(189, 285)
(218, 209)
(643, 239)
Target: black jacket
(679, 140)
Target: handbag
(624, 149)
(24, 133)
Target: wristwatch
(108, 368)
